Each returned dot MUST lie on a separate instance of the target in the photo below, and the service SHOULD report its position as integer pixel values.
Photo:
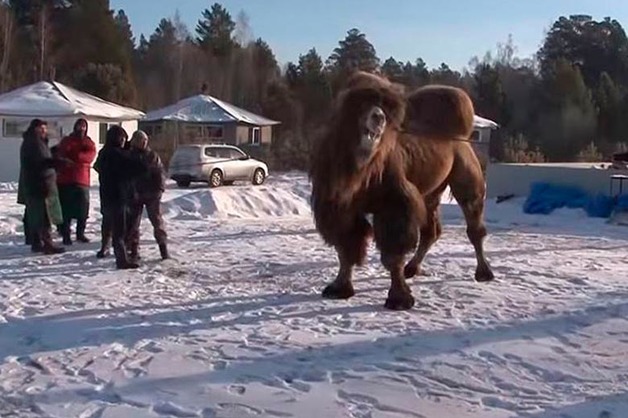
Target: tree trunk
(43, 31)
(7, 24)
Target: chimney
(204, 88)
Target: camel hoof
(483, 275)
(334, 291)
(399, 302)
(410, 270)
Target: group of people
(54, 187)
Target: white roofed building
(60, 106)
(206, 119)
(482, 129)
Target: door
(241, 165)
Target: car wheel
(258, 177)
(184, 183)
(215, 178)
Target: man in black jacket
(38, 189)
(117, 168)
(149, 188)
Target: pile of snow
(8, 187)
(280, 197)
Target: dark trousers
(65, 228)
(74, 201)
(105, 232)
(114, 228)
(152, 203)
(39, 238)
(28, 235)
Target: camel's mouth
(370, 139)
(372, 129)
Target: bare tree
(243, 33)
(6, 18)
(182, 34)
(44, 14)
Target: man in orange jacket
(73, 180)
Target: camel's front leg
(351, 249)
(396, 234)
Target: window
(235, 154)
(475, 136)
(212, 132)
(193, 131)
(103, 128)
(152, 129)
(14, 128)
(256, 136)
(211, 152)
(218, 152)
(205, 132)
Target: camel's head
(371, 126)
(370, 114)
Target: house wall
(481, 145)
(505, 179)
(230, 133)
(267, 134)
(57, 128)
(245, 133)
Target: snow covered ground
(235, 326)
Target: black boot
(122, 257)
(65, 233)
(163, 250)
(105, 240)
(48, 245)
(37, 246)
(28, 236)
(80, 231)
(133, 254)
(103, 252)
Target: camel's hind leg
(351, 251)
(468, 187)
(429, 233)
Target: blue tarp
(544, 198)
(622, 202)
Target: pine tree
(215, 31)
(353, 53)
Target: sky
(450, 31)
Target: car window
(186, 153)
(212, 152)
(235, 154)
(218, 152)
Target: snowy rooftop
(480, 122)
(204, 108)
(53, 99)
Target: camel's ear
(394, 106)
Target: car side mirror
(244, 157)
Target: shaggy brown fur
(390, 185)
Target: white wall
(504, 179)
(10, 146)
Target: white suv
(215, 165)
